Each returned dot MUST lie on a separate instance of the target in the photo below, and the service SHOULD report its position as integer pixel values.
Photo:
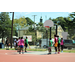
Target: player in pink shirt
(62, 43)
(18, 49)
(56, 39)
(21, 44)
(55, 43)
(19, 41)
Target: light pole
(18, 30)
(34, 27)
(12, 28)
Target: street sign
(48, 23)
(64, 34)
(29, 37)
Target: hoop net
(46, 27)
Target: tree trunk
(2, 39)
(2, 36)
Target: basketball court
(35, 56)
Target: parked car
(69, 44)
(37, 44)
(73, 41)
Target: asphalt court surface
(35, 56)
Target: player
(21, 45)
(59, 41)
(50, 45)
(26, 44)
(55, 43)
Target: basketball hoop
(48, 23)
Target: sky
(45, 15)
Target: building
(22, 31)
(39, 34)
(59, 31)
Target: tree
(31, 29)
(40, 23)
(29, 21)
(5, 25)
(72, 15)
(66, 23)
(72, 25)
(21, 22)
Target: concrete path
(37, 52)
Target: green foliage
(41, 24)
(21, 22)
(5, 25)
(31, 29)
(67, 23)
(29, 21)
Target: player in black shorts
(59, 40)
(26, 44)
(7, 44)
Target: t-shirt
(14, 43)
(62, 42)
(56, 39)
(18, 42)
(6, 41)
(59, 40)
(26, 41)
(22, 42)
(51, 43)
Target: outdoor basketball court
(35, 56)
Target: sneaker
(61, 51)
(19, 52)
(55, 52)
(49, 53)
(22, 52)
(25, 51)
(58, 52)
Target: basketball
(9, 44)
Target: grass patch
(36, 49)
(27, 49)
(66, 51)
(5, 49)
(69, 51)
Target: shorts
(58, 45)
(21, 46)
(55, 48)
(26, 45)
(7, 44)
(61, 46)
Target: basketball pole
(56, 29)
(50, 32)
(46, 37)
